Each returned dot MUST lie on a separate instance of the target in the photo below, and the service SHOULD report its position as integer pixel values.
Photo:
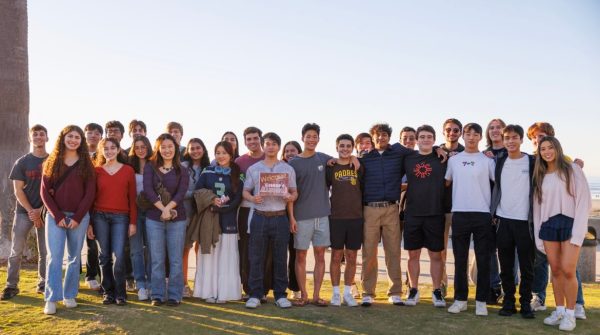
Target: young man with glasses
(452, 130)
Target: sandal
(300, 302)
(320, 303)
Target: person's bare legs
(335, 267)
(350, 270)
(319, 271)
(301, 272)
(553, 250)
(414, 267)
(569, 256)
(436, 267)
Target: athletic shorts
(424, 232)
(312, 230)
(346, 233)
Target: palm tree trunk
(14, 106)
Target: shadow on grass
(23, 315)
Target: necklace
(167, 168)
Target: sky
(224, 65)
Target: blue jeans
(140, 253)
(166, 239)
(56, 237)
(20, 230)
(111, 233)
(540, 279)
(264, 230)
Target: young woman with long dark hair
(217, 274)
(139, 154)
(195, 159)
(114, 218)
(561, 205)
(68, 190)
(165, 221)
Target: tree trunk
(14, 106)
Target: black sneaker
(172, 303)
(108, 300)
(527, 312)
(495, 296)
(9, 293)
(157, 302)
(507, 309)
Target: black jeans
(478, 224)
(92, 265)
(510, 234)
(243, 213)
(293, 283)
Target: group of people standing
(143, 209)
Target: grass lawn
(23, 315)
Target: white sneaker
(567, 323)
(253, 303)
(537, 304)
(554, 319)
(211, 300)
(481, 308)
(336, 300)
(367, 301)
(412, 298)
(50, 308)
(580, 312)
(70, 303)
(142, 294)
(396, 300)
(457, 307)
(93, 284)
(438, 299)
(349, 300)
(281, 303)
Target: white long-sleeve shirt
(556, 200)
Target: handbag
(164, 195)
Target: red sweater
(116, 193)
(73, 195)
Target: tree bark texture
(14, 106)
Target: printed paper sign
(273, 184)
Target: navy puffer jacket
(382, 179)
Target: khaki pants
(381, 223)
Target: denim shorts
(558, 228)
(315, 230)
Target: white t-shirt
(514, 203)
(470, 174)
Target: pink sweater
(556, 200)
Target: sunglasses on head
(222, 170)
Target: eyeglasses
(452, 130)
(223, 170)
